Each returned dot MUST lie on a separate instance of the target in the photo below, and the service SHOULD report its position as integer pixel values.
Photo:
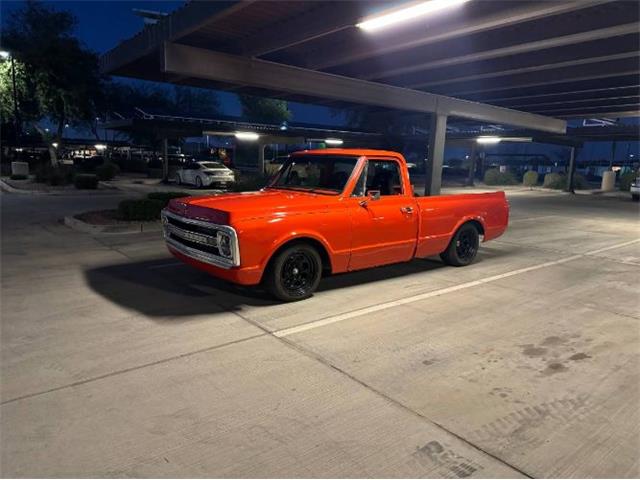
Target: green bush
(493, 176)
(555, 181)
(16, 176)
(164, 197)
(143, 209)
(579, 182)
(54, 176)
(626, 179)
(530, 179)
(107, 171)
(86, 181)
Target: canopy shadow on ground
(160, 289)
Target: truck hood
(231, 207)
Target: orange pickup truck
(324, 212)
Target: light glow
(55, 144)
(251, 136)
(100, 146)
(412, 12)
(488, 140)
(4, 54)
(333, 141)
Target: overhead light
(333, 141)
(412, 12)
(55, 144)
(4, 54)
(100, 146)
(251, 136)
(488, 140)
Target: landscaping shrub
(86, 181)
(143, 209)
(580, 182)
(107, 171)
(626, 179)
(164, 197)
(493, 176)
(54, 176)
(530, 179)
(18, 177)
(555, 181)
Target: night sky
(103, 24)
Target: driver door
(385, 230)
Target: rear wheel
(294, 274)
(198, 182)
(463, 247)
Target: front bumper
(634, 189)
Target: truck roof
(366, 152)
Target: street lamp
(4, 54)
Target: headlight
(224, 244)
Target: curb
(5, 187)
(85, 227)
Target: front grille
(199, 239)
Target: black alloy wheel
(294, 274)
(463, 248)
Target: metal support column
(472, 164)
(572, 170)
(165, 160)
(437, 134)
(261, 148)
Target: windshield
(211, 165)
(317, 173)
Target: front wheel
(294, 274)
(198, 182)
(463, 246)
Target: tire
(198, 182)
(635, 197)
(463, 247)
(178, 180)
(294, 273)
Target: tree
(264, 110)
(64, 74)
(195, 102)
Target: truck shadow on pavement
(167, 290)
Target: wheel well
(476, 224)
(324, 255)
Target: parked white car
(635, 190)
(205, 174)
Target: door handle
(406, 210)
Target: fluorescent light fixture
(100, 146)
(333, 141)
(412, 12)
(252, 136)
(488, 140)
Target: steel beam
(435, 154)
(198, 63)
(526, 70)
(303, 28)
(468, 25)
(572, 92)
(574, 75)
(519, 49)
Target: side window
(384, 176)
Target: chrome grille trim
(200, 238)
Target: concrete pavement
(119, 361)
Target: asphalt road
(117, 360)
